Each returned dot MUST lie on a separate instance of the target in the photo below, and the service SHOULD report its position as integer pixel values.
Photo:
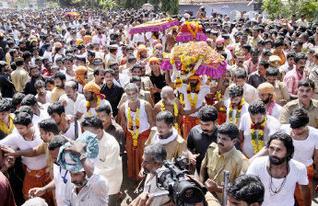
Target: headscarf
(80, 72)
(92, 87)
(266, 88)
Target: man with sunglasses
(305, 100)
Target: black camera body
(173, 178)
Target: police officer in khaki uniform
(305, 100)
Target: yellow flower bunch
(133, 127)
(257, 140)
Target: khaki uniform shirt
(280, 91)
(295, 104)
(233, 161)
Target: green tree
(170, 6)
(273, 8)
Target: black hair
(17, 99)
(230, 130)
(60, 75)
(235, 91)
(306, 83)
(5, 105)
(165, 116)
(257, 107)
(98, 71)
(22, 118)
(104, 108)
(247, 188)
(56, 107)
(291, 55)
(273, 72)
(299, 57)
(110, 71)
(29, 100)
(265, 64)
(299, 118)
(49, 81)
(26, 109)
(208, 113)
(93, 122)
(49, 125)
(57, 142)
(287, 141)
(240, 74)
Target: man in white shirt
(255, 128)
(236, 106)
(266, 94)
(27, 137)
(109, 163)
(73, 101)
(280, 173)
(67, 126)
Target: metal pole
(226, 183)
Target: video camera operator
(167, 183)
(153, 159)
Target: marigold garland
(258, 140)
(219, 97)
(238, 112)
(133, 126)
(193, 101)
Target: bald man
(171, 103)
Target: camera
(182, 189)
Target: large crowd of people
(88, 115)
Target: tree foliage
(276, 8)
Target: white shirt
(62, 181)
(275, 111)
(94, 193)
(204, 90)
(72, 107)
(109, 163)
(297, 174)
(271, 126)
(244, 110)
(304, 149)
(16, 141)
(70, 133)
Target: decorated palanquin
(191, 31)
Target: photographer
(153, 159)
